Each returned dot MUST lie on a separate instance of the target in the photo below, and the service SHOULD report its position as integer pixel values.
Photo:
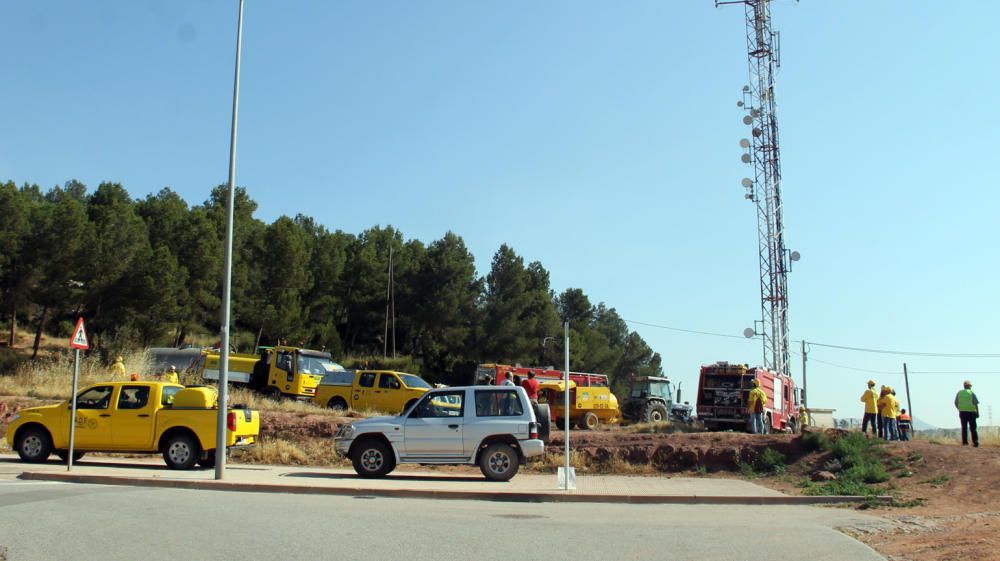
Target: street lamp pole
(227, 280)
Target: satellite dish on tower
(756, 132)
(744, 143)
(747, 120)
(755, 113)
(745, 158)
(746, 88)
(795, 256)
(739, 104)
(747, 182)
(749, 333)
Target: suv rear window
(503, 403)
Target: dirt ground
(951, 493)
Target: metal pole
(566, 402)
(805, 392)
(227, 280)
(72, 415)
(909, 406)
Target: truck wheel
(499, 462)
(337, 404)
(372, 458)
(589, 421)
(181, 452)
(544, 418)
(64, 455)
(655, 413)
(33, 445)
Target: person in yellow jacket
(968, 411)
(803, 418)
(889, 409)
(755, 403)
(871, 409)
(170, 375)
(118, 369)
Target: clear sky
(600, 138)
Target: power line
(830, 345)
(903, 353)
(684, 330)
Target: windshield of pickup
(317, 365)
(412, 381)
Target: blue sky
(600, 139)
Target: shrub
(770, 461)
(815, 441)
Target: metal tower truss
(764, 189)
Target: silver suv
(492, 426)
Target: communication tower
(762, 154)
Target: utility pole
(805, 393)
(762, 154)
(906, 382)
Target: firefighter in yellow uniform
(118, 369)
(871, 409)
(803, 418)
(171, 375)
(755, 403)
(889, 409)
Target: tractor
(651, 400)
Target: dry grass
(302, 452)
(989, 437)
(662, 427)
(52, 378)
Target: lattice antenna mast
(764, 188)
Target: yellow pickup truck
(133, 417)
(381, 390)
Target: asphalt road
(46, 521)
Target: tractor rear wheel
(655, 413)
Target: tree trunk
(38, 333)
(13, 326)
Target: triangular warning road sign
(79, 339)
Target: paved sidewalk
(408, 482)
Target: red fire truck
(723, 391)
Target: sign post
(78, 341)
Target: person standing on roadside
(884, 391)
(968, 411)
(756, 403)
(118, 368)
(889, 409)
(531, 386)
(507, 381)
(871, 409)
(803, 418)
(905, 423)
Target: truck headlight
(346, 432)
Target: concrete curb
(213, 485)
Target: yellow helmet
(756, 383)
(871, 383)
